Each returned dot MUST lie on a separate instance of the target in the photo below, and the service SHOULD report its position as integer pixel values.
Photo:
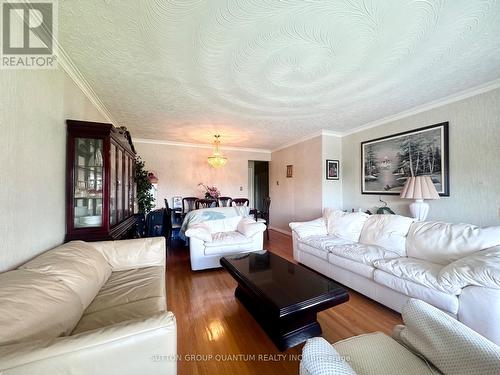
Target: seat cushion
(226, 242)
(444, 243)
(361, 253)
(443, 301)
(229, 224)
(351, 265)
(377, 353)
(36, 305)
(77, 265)
(128, 286)
(387, 231)
(416, 270)
(120, 313)
(346, 225)
(318, 245)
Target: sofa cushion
(449, 345)
(313, 250)
(416, 270)
(35, 305)
(352, 266)
(377, 353)
(320, 358)
(229, 224)
(129, 286)
(361, 253)
(249, 227)
(324, 241)
(387, 231)
(200, 231)
(76, 264)
(444, 301)
(346, 225)
(444, 243)
(479, 269)
(120, 313)
(310, 228)
(227, 242)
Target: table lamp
(419, 188)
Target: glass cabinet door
(119, 182)
(126, 182)
(88, 184)
(113, 184)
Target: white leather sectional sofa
(390, 258)
(89, 308)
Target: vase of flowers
(211, 192)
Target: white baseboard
(288, 233)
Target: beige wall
(33, 107)
(474, 161)
(180, 169)
(298, 198)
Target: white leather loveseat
(430, 342)
(390, 258)
(88, 308)
(212, 239)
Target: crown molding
(199, 145)
(77, 77)
(477, 90)
(318, 133)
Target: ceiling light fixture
(217, 160)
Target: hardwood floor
(216, 335)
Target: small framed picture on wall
(332, 169)
(177, 202)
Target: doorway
(258, 183)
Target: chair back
(241, 202)
(188, 204)
(267, 204)
(206, 203)
(224, 201)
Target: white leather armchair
(212, 239)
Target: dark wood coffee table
(282, 296)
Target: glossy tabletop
(286, 285)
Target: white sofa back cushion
(130, 254)
(444, 243)
(346, 225)
(310, 228)
(34, 306)
(77, 265)
(387, 231)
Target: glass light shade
(217, 160)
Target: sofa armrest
(309, 228)
(319, 357)
(249, 227)
(200, 231)
(141, 346)
(130, 254)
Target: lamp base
(419, 209)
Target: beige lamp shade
(420, 187)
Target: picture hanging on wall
(387, 162)
(332, 169)
(289, 171)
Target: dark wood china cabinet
(100, 189)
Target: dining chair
(241, 202)
(206, 203)
(224, 201)
(188, 204)
(264, 214)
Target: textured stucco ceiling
(265, 72)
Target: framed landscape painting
(388, 162)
